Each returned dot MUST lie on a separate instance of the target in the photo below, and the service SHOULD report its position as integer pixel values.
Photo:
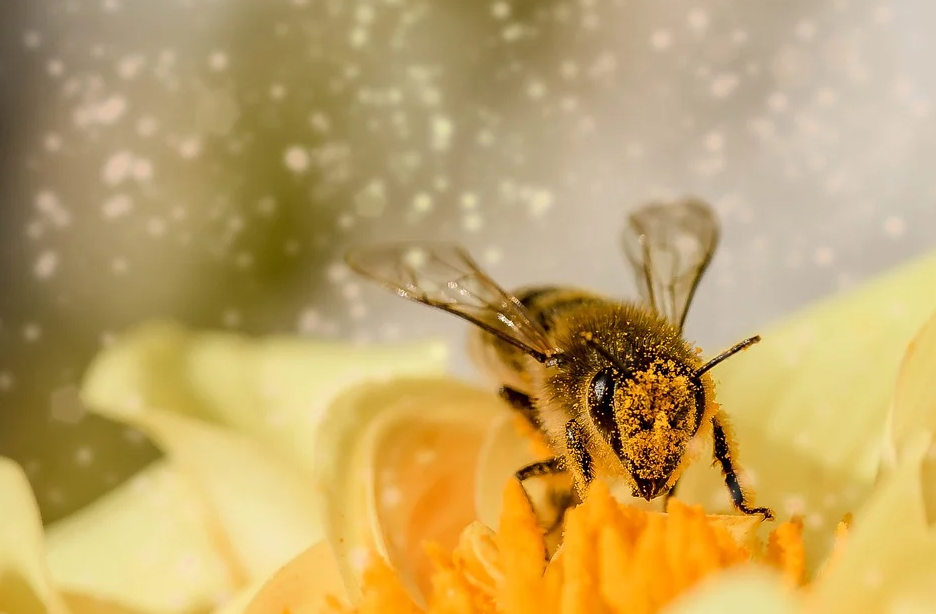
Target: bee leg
(668, 495)
(723, 456)
(522, 404)
(547, 467)
(581, 461)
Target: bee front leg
(724, 457)
(579, 460)
(522, 404)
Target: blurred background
(209, 161)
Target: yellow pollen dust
(614, 558)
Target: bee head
(648, 416)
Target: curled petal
(740, 591)
(809, 403)
(273, 389)
(25, 583)
(150, 545)
(401, 472)
(301, 586)
(890, 555)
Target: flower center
(614, 558)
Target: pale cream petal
(890, 556)
(265, 507)
(25, 584)
(809, 403)
(149, 545)
(742, 591)
(273, 389)
(403, 461)
(913, 407)
(302, 585)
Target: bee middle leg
(522, 404)
(723, 456)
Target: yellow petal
(273, 389)
(150, 545)
(403, 460)
(301, 586)
(25, 584)
(914, 404)
(809, 403)
(740, 591)
(890, 555)
(266, 508)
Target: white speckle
(357, 311)
(513, 32)
(296, 159)
(815, 520)
(778, 102)
(500, 10)
(337, 272)
(469, 201)
(217, 61)
(147, 126)
(320, 122)
(723, 85)
(49, 205)
(52, 142)
(540, 202)
(351, 290)
(422, 202)
(873, 577)
(277, 91)
(142, 169)
(55, 67)
(894, 226)
(308, 321)
(32, 39)
(116, 206)
(156, 227)
(129, 66)
(492, 255)
(425, 456)
(442, 130)
(795, 504)
(6, 380)
(117, 167)
(358, 37)
(714, 141)
(371, 201)
(190, 147)
(661, 39)
(805, 30)
(568, 69)
(739, 37)
(882, 14)
(823, 256)
(32, 332)
(119, 265)
(84, 455)
(46, 264)
(358, 557)
(698, 20)
(391, 496)
(472, 222)
(231, 318)
(244, 260)
(111, 110)
(536, 90)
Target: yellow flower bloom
(811, 409)
(260, 479)
(232, 500)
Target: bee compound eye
(601, 401)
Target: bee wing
(669, 246)
(444, 276)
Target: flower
(288, 462)
(232, 499)
(811, 409)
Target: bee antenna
(727, 354)
(614, 360)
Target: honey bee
(613, 385)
